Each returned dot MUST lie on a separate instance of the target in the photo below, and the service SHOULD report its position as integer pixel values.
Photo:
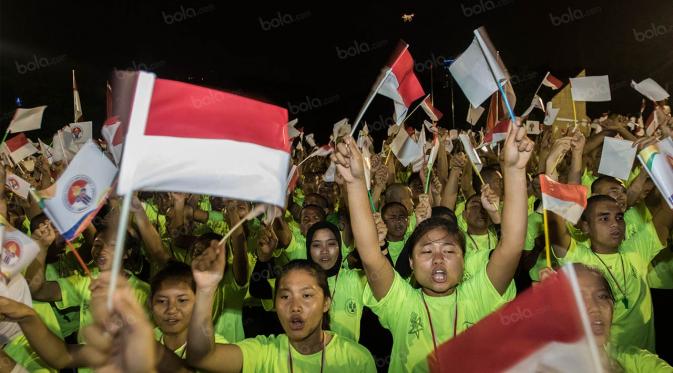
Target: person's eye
(308, 295)
(284, 296)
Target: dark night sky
(293, 53)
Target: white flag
(473, 114)
(470, 151)
(81, 132)
(19, 186)
(590, 88)
(18, 251)
(405, 148)
(27, 119)
(552, 113)
(650, 89)
(49, 152)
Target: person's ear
(411, 263)
(326, 304)
(584, 226)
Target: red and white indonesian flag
(430, 109)
(551, 81)
(73, 201)
(18, 250)
(545, 329)
(27, 119)
(113, 138)
(17, 185)
(192, 139)
(535, 103)
(478, 70)
(498, 133)
(400, 83)
(19, 147)
(566, 200)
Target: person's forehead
(394, 210)
(602, 207)
(609, 184)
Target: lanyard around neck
(432, 329)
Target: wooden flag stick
(547, 249)
(119, 246)
(255, 212)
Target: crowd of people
(351, 277)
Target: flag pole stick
(255, 212)
(382, 78)
(407, 117)
(371, 200)
(79, 258)
(119, 246)
(547, 250)
(540, 85)
(453, 107)
(5, 136)
(65, 156)
(500, 88)
(427, 178)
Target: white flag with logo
(75, 198)
(19, 186)
(18, 251)
(81, 132)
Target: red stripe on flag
(16, 142)
(542, 314)
(551, 79)
(566, 192)
(184, 110)
(403, 68)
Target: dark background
(320, 59)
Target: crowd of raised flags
(201, 216)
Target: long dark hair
(315, 271)
(337, 234)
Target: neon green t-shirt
(346, 309)
(478, 249)
(627, 275)
(660, 272)
(635, 360)
(20, 351)
(228, 308)
(587, 179)
(75, 292)
(402, 311)
(534, 229)
(68, 319)
(270, 354)
(181, 351)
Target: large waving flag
(545, 329)
(401, 84)
(192, 139)
(566, 200)
(73, 201)
(18, 250)
(27, 119)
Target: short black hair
(444, 213)
(322, 198)
(593, 201)
(314, 207)
(390, 205)
(173, 270)
(603, 179)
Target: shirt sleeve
(645, 242)
(254, 353)
(388, 308)
(481, 289)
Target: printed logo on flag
(11, 252)
(77, 132)
(13, 183)
(80, 193)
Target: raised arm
(505, 259)
(154, 247)
(380, 273)
(40, 288)
(450, 192)
(202, 352)
(559, 237)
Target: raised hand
(518, 147)
(489, 199)
(423, 210)
(44, 235)
(266, 243)
(208, 268)
(348, 160)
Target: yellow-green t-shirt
(626, 271)
(270, 354)
(660, 273)
(635, 360)
(587, 179)
(346, 309)
(402, 311)
(181, 351)
(20, 351)
(228, 306)
(478, 249)
(75, 292)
